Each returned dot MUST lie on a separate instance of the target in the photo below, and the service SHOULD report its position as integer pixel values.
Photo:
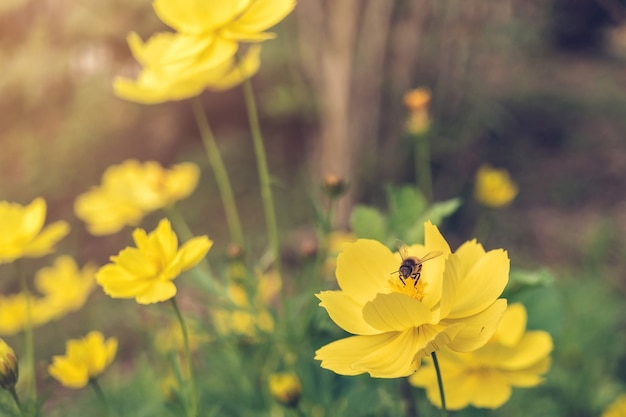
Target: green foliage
(408, 210)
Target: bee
(411, 266)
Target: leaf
(406, 205)
(368, 223)
(435, 213)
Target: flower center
(409, 287)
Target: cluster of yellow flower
(202, 52)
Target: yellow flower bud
(8, 366)
(285, 388)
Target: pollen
(408, 288)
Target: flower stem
(444, 411)
(264, 175)
(193, 409)
(16, 399)
(219, 169)
(29, 349)
(423, 174)
(93, 382)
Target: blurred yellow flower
(286, 388)
(9, 371)
(176, 67)
(454, 303)
(64, 288)
(417, 102)
(131, 190)
(248, 317)
(494, 187)
(617, 408)
(484, 378)
(241, 20)
(170, 337)
(22, 231)
(84, 359)
(146, 272)
(13, 313)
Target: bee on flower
(454, 303)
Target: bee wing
(431, 255)
(403, 249)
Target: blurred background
(533, 86)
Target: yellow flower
(64, 287)
(494, 187)
(9, 371)
(178, 66)
(13, 313)
(417, 102)
(241, 20)
(131, 190)
(286, 388)
(248, 317)
(454, 303)
(22, 231)
(417, 99)
(170, 337)
(484, 378)
(617, 409)
(84, 359)
(146, 272)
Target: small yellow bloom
(248, 317)
(170, 338)
(494, 187)
(146, 272)
(617, 408)
(177, 67)
(417, 99)
(242, 20)
(131, 190)
(14, 313)
(285, 388)
(84, 359)
(417, 102)
(484, 378)
(9, 371)
(64, 287)
(22, 231)
(454, 303)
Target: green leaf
(406, 205)
(368, 223)
(435, 213)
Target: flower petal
(261, 15)
(512, 326)
(530, 376)
(45, 241)
(346, 312)
(533, 347)
(477, 329)
(395, 312)
(482, 285)
(157, 292)
(200, 15)
(387, 355)
(363, 269)
(193, 251)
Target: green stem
(29, 349)
(444, 411)
(16, 399)
(264, 174)
(193, 409)
(219, 169)
(93, 382)
(423, 165)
